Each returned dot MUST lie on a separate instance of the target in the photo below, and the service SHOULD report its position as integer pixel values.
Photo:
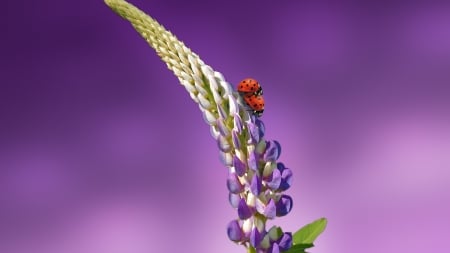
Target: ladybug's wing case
(254, 102)
(248, 85)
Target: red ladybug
(256, 103)
(250, 86)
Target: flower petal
(256, 184)
(272, 151)
(274, 181)
(271, 210)
(223, 144)
(233, 184)
(286, 179)
(223, 129)
(237, 123)
(239, 166)
(274, 249)
(222, 113)
(252, 161)
(255, 237)
(244, 211)
(260, 124)
(253, 132)
(260, 206)
(284, 205)
(234, 199)
(285, 242)
(235, 139)
(226, 158)
(234, 231)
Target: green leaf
(307, 234)
(292, 250)
(299, 248)
(303, 246)
(251, 249)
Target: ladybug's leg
(259, 92)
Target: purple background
(101, 150)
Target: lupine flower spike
(257, 181)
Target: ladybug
(256, 103)
(250, 86)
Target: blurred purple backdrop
(101, 150)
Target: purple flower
(285, 242)
(255, 237)
(256, 180)
(286, 177)
(273, 151)
(274, 181)
(233, 184)
(284, 205)
(244, 211)
(235, 139)
(256, 184)
(234, 231)
(274, 249)
(234, 199)
(252, 161)
(239, 166)
(271, 210)
(254, 132)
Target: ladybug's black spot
(254, 105)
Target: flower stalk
(256, 180)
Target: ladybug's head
(259, 92)
(258, 113)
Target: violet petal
(223, 129)
(271, 210)
(237, 123)
(280, 166)
(272, 151)
(274, 249)
(284, 205)
(244, 211)
(255, 237)
(222, 113)
(253, 132)
(252, 161)
(277, 144)
(261, 127)
(234, 231)
(260, 206)
(233, 184)
(274, 181)
(285, 242)
(226, 158)
(223, 144)
(239, 166)
(235, 139)
(286, 179)
(255, 185)
(234, 199)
